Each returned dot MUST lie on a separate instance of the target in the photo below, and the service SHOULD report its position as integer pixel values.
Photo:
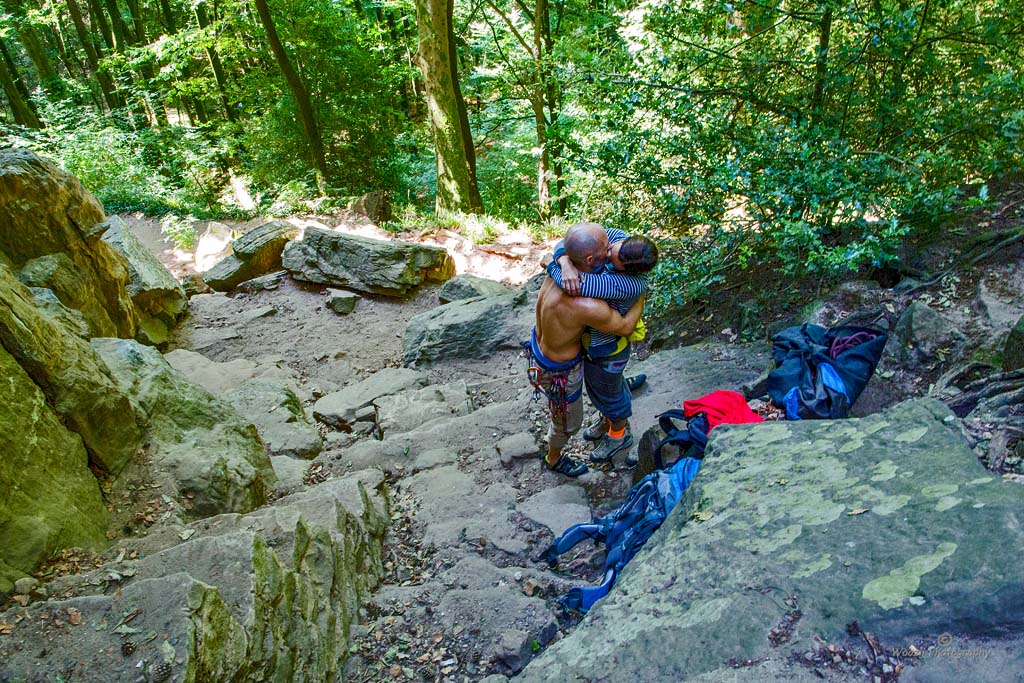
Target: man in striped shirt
(618, 278)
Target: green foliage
(180, 229)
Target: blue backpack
(625, 530)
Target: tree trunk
(456, 161)
(93, 55)
(821, 67)
(99, 19)
(35, 48)
(299, 92)
(215, 65)
(21, 106)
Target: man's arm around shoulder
(599, 315)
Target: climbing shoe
(570, 467)
(608, 448)
(596, 430)
(636, 381)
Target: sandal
(570, 467)
(636, 381)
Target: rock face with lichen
(268, 596)
(52, 229)
(50, 498)
(888, 520)
(158, 297)
(207, 452)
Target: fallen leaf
(703, 516)
(74, 616)
(187, 534)
(857, 511)
(6, 629)
(395, 671)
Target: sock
(617, 435)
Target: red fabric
(721, 407)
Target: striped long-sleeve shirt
(620, 291)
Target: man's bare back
(561, 320)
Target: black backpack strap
(674, 435)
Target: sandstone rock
(265, 596)
(213, 245)
(73, 321)
(45, 212)
(339, 409)
(268, 282)
(1013, 352)
(342, 302)
(513, 651)
(470, 328)
(158, 297)
(194, 284)
(454, 509)
(374, 205)
(557, 508)
(365, 264)
(255, 253)
(469, 287)
(58, 274)
(520, 446)
(888, 520)
(290, 472)
(410, 409)
(73, 379)
(51, 500)
(222, 378)
(200, 443)
(926, 337)
(279, 418)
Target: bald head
(586, 245)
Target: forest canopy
(815, 136)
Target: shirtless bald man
(557, 355)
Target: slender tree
(17, 96)
(299, 92)
(453, 142)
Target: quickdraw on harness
(558, 391)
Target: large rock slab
(279, 418)
(889, 521)
(47, 211)
(410, 410)
(220, 378)
(468, 328)
(267, 596)
(158, 297)
(255, 253)
(338, 409)
(73, 379)
(51, 500)
(469, 287)
(364, 264)
(206, 451)
(454, 509)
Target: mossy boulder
(203, 448)
(469, 287)
(51, 500)
(269, 596)
(889, 521)
(45, 211)
(158, 297)
(68, 372)
(364, 264)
